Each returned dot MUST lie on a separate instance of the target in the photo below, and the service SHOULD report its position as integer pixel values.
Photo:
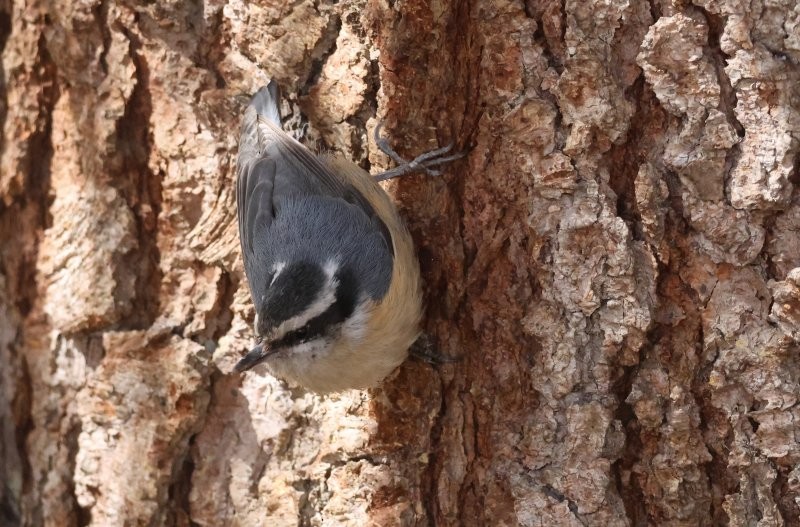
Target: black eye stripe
(298, 336)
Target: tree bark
(616, 263)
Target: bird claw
(425, 350)
(424, 162)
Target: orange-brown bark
(616, 262)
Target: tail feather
(267, 102)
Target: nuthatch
(331, 267)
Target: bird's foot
(424, 162)
(425, 350)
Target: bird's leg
(423, 162)
(425, 350)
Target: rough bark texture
(617, 263)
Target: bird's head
(302, 311)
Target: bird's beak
(253, 357)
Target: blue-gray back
(291, 207)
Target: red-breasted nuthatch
(331, 267)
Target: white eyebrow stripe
(276, 270)
(318, 307)
(330, 268)
(355, 327)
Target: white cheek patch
(308, 348)
(355, 327)
(304, 355)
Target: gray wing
(254, 198)
(272, 167)
(255, 183)
(311, 227)
(307, 173)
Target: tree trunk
(616, 263)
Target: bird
(329, 262)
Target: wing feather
(271, 167)
(319, 174)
